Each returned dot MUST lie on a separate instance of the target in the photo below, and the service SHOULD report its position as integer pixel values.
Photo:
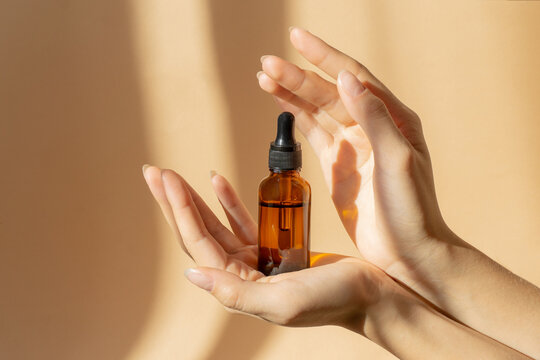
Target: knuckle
(220, 231)
(356, 67)
(328, 104)
(373, 107)
(229, 297)
(200, 237)
(289, 316)
(413, 115)
(230, 311)
(299, 81)
(292, 312)
(321, 59)
(405, 159)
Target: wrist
(392, 322)
(374, 307)
(432, 265)
(369, 287)
(382, 315)
(410, 329)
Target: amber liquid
(284, 222)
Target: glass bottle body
(284, 222)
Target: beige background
(91, 90)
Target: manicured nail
(259, 74)
(298, 28)
(263, 57)
(350, 83)
(212, 173)
(199, 279)
(144, 168)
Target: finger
(327, 58)
(220, 233)
(389, 145)
(200, 244)
(225, 238)
(318, 138)
(234, 293)
(332, 61)
(239, 217)
(308, 85)
(324, 122)
(272, 87)
(152, 175)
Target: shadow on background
(77, 258)
(243, 31)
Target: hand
(371, 149)
(336, 290)
(377, 166)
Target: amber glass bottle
(284, 206)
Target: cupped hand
(335, 290)
(371, 150)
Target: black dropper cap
(285, 153)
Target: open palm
(314, 296)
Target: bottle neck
(295, 172)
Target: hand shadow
(346, 182)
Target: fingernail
(263, 57)
(259, 74)
(199, 279)
(144, 168)
(291, 28)
(300, 29)
(350, 83)
(212, 173)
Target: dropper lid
(285, 153)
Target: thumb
(371, 114)
(232, 291)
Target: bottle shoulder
(275, 180)
(276, 187)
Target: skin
(377, 166)
(378, 170)
(336, 290)
(213, 246)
